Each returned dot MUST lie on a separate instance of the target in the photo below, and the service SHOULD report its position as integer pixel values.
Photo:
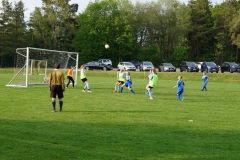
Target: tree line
(157, 31)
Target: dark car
(188, 66)
(230, 67)
(209, 67)
(136, 63)
(97, 66)
(166, 67)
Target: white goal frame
(24, 71)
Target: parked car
(97, 66)
(209, 67)
(188, 66)
(146, 66)
(105, 61)
(136, 63)
(199, 65)
(230, 67)
(126, 66)
(166, 67)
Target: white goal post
(34, 64)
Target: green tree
(235, 31)
(13, 30)
(53, 25)
(161, 30)
(18, 27)
(223, 15)
(5, 24)
(105, 22)
(201, 35)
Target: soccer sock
(60, 104)
(115, 87)
(179, 97)
(54, 105)
(132, 91)
(88, 86)
(85, 87)
(150, 94)
(121, 89)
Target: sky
(31, 4)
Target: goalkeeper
(69, 76)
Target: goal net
(33, 65)
(38, 67)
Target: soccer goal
(34, 64)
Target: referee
(56, 86)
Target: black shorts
(121, 82)
(56, 90)
(84, 80)
(150, 87)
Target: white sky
(31, 4)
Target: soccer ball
(106, 46)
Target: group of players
(125, 80)
(57, 84)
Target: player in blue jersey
(205, 80)
(180, 85)
(128, 83)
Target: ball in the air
(106, 46)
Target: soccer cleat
(89, 91)
(114, 91)
(53, 110)
(83, 90)
(182, 98)
(150, 98)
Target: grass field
(107, 125)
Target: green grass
(107, 125)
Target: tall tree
(54, 24)
(161, 30)
(235, 31)
(223, 15)
(13, 28)
(201, 35)
(18, 26)
(105, 22)
(5, 27)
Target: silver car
(167, 67)
(126, 66)
(146, 66)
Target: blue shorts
(128, 84)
